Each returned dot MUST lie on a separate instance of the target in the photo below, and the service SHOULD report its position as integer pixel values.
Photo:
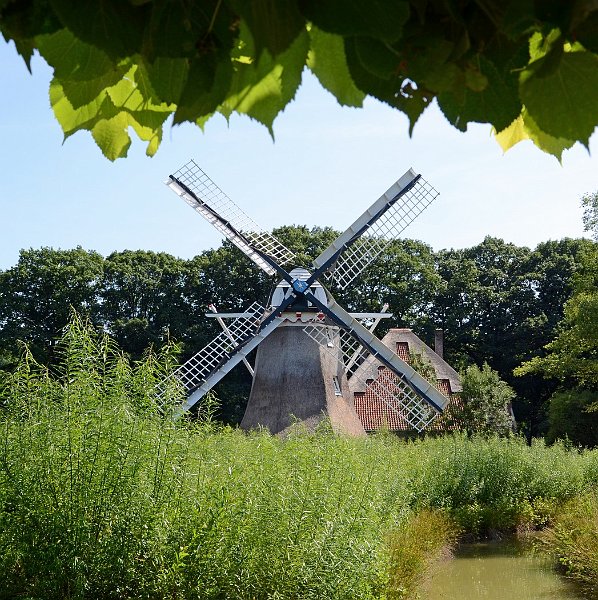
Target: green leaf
(563, 103)
(207, 85)
(112, 137)
(544, 141)
(274, 24)
(377, 57)
(261, 90)
(109, 115)
(412, 101)
(116, 27)
(168, 77)
(144, 85)
(83, 117)
(540, 46)
(83, 92)
(184, 29)
(511, 135)
(71, 58)
(497, 103)
(525, 128)
(148, 126)
(128, 94)
(380, 19)
(397, 91)
(328, 62)
(25, 48)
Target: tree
(404, 277)
(572, 356)
(306, 244)
(36, 296)
(589, 203)
(529, 69)
(481, 300)
(572, 414)
(486, 401)
(143, 299)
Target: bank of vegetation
(497, 303)
(102, 495)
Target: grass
(102, 495)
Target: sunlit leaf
(511, 135)
(328, 62)
(262, 89)
(563, 102)
(112, 137)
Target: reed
(103, 495)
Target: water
(497, 571)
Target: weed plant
(104, 495)
(414, 547)
(493, 484)
(572, 539)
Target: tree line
(497, 303)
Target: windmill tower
(308, 345)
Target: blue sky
(326, 166)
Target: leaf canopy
(528, 68)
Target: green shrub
(486, 402)
(493, 483)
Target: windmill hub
(299, 286)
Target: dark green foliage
(589, 203)
(496, 302)
(572, 356)
(573, 415)
(119, 65)
(500, 304)
(143, 298)
(37, 294)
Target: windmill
(308, 346)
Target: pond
(497, 571)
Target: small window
(337, 386)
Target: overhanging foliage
(529, 68)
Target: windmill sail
(377, 227)
(428, 392)
(208, 366)
(203, 195)
(404, 390)
(396, 393)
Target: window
(337, 386)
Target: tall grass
(103, 495)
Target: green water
(497, 571)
